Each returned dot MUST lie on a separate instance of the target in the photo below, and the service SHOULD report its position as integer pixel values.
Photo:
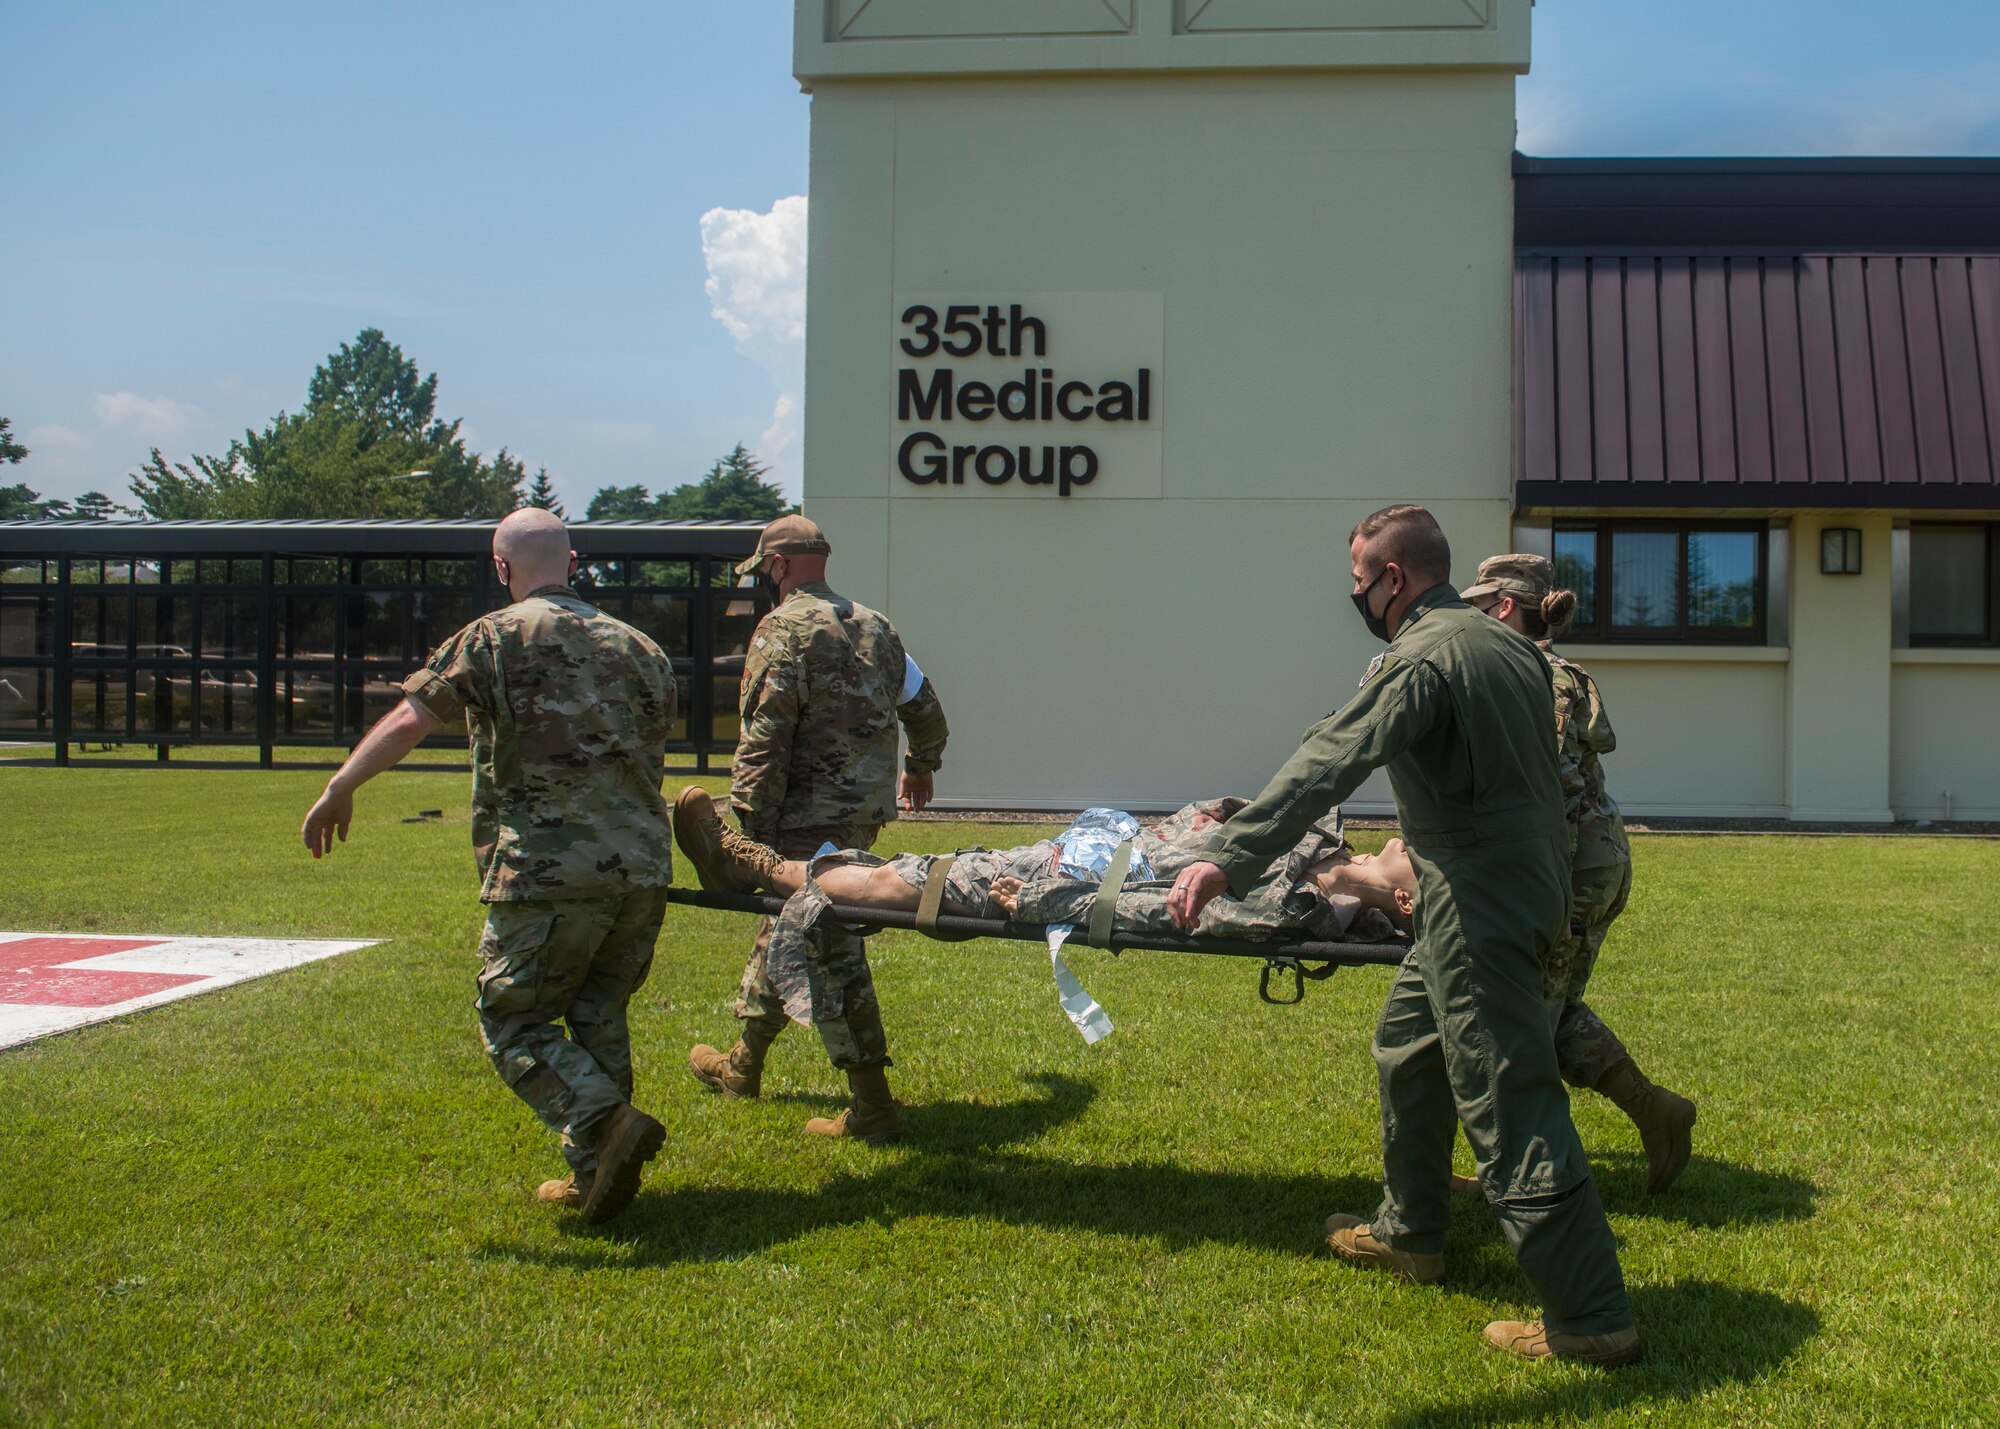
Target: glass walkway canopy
(298, 633)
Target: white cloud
(757, 290)
(757, 272)
(51, 438)
(157, 421)
(67, 459)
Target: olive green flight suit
(1457, 708)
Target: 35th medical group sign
(1024, 395)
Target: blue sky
(199, 202)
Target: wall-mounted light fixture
(1840, 551)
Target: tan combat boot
(738, 1073)
(1665, 1121)
(626, 1140)
(1531, 1340)
(724, 860)
(872, 1116)
(565, 1193)
(1353, 1240)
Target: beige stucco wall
(1944, 741)
(1677, 755)
(1333, 252)
(1838, 744)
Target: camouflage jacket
(568, 713)
(1583, 732)
(822, 684)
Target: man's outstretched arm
(1395, 705)
(394, 736)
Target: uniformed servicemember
(1520, 592)
(826, 683)
(1457, 708)
(568, 711)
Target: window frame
(1991, 639)
(1603, 529)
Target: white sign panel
(1026, 395)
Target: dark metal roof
(126, 536)
(1758, 380)
(1786, 205)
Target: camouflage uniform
(568, 713)
(1285, 902)
(1600, 875)
(816, 764)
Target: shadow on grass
(1709, 1193)
(956, 1162)
(1699, 1335)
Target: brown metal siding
(1705, 379)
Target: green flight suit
(1457, 708)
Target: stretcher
(1291, 964)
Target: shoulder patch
(1374, 667)
(757, 642)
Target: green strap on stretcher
(1107, 894)
(933, 899)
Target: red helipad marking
(30, 974)
(53, 982)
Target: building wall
(1332, 253)
(1841, 641)
(1700, 732)
(1944, 759)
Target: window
(1952, 595)
(1700, 582)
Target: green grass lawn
(309, 1198)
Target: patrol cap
(786, 536)
(1518, 575)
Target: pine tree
(542, 493)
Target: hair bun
(1559, 608)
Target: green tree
(18, 503)
(373, 382)
(542, 493)
(10, 450)
(96, 506)
(733, 490)
(622, 503)
(367, 444)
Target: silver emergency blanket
(1084, 849)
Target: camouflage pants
(845, 1012)
(1585, 1048)
(576, 961)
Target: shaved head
(535, 545)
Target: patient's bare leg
(855, 886)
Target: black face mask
(1378, 625)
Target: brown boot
(872, 1116)
(1353, 1240)
(1531, 1340)
(724, 860)
(1665, 1121)
(626, 1140)
(565, 1193)
(738, 1073)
